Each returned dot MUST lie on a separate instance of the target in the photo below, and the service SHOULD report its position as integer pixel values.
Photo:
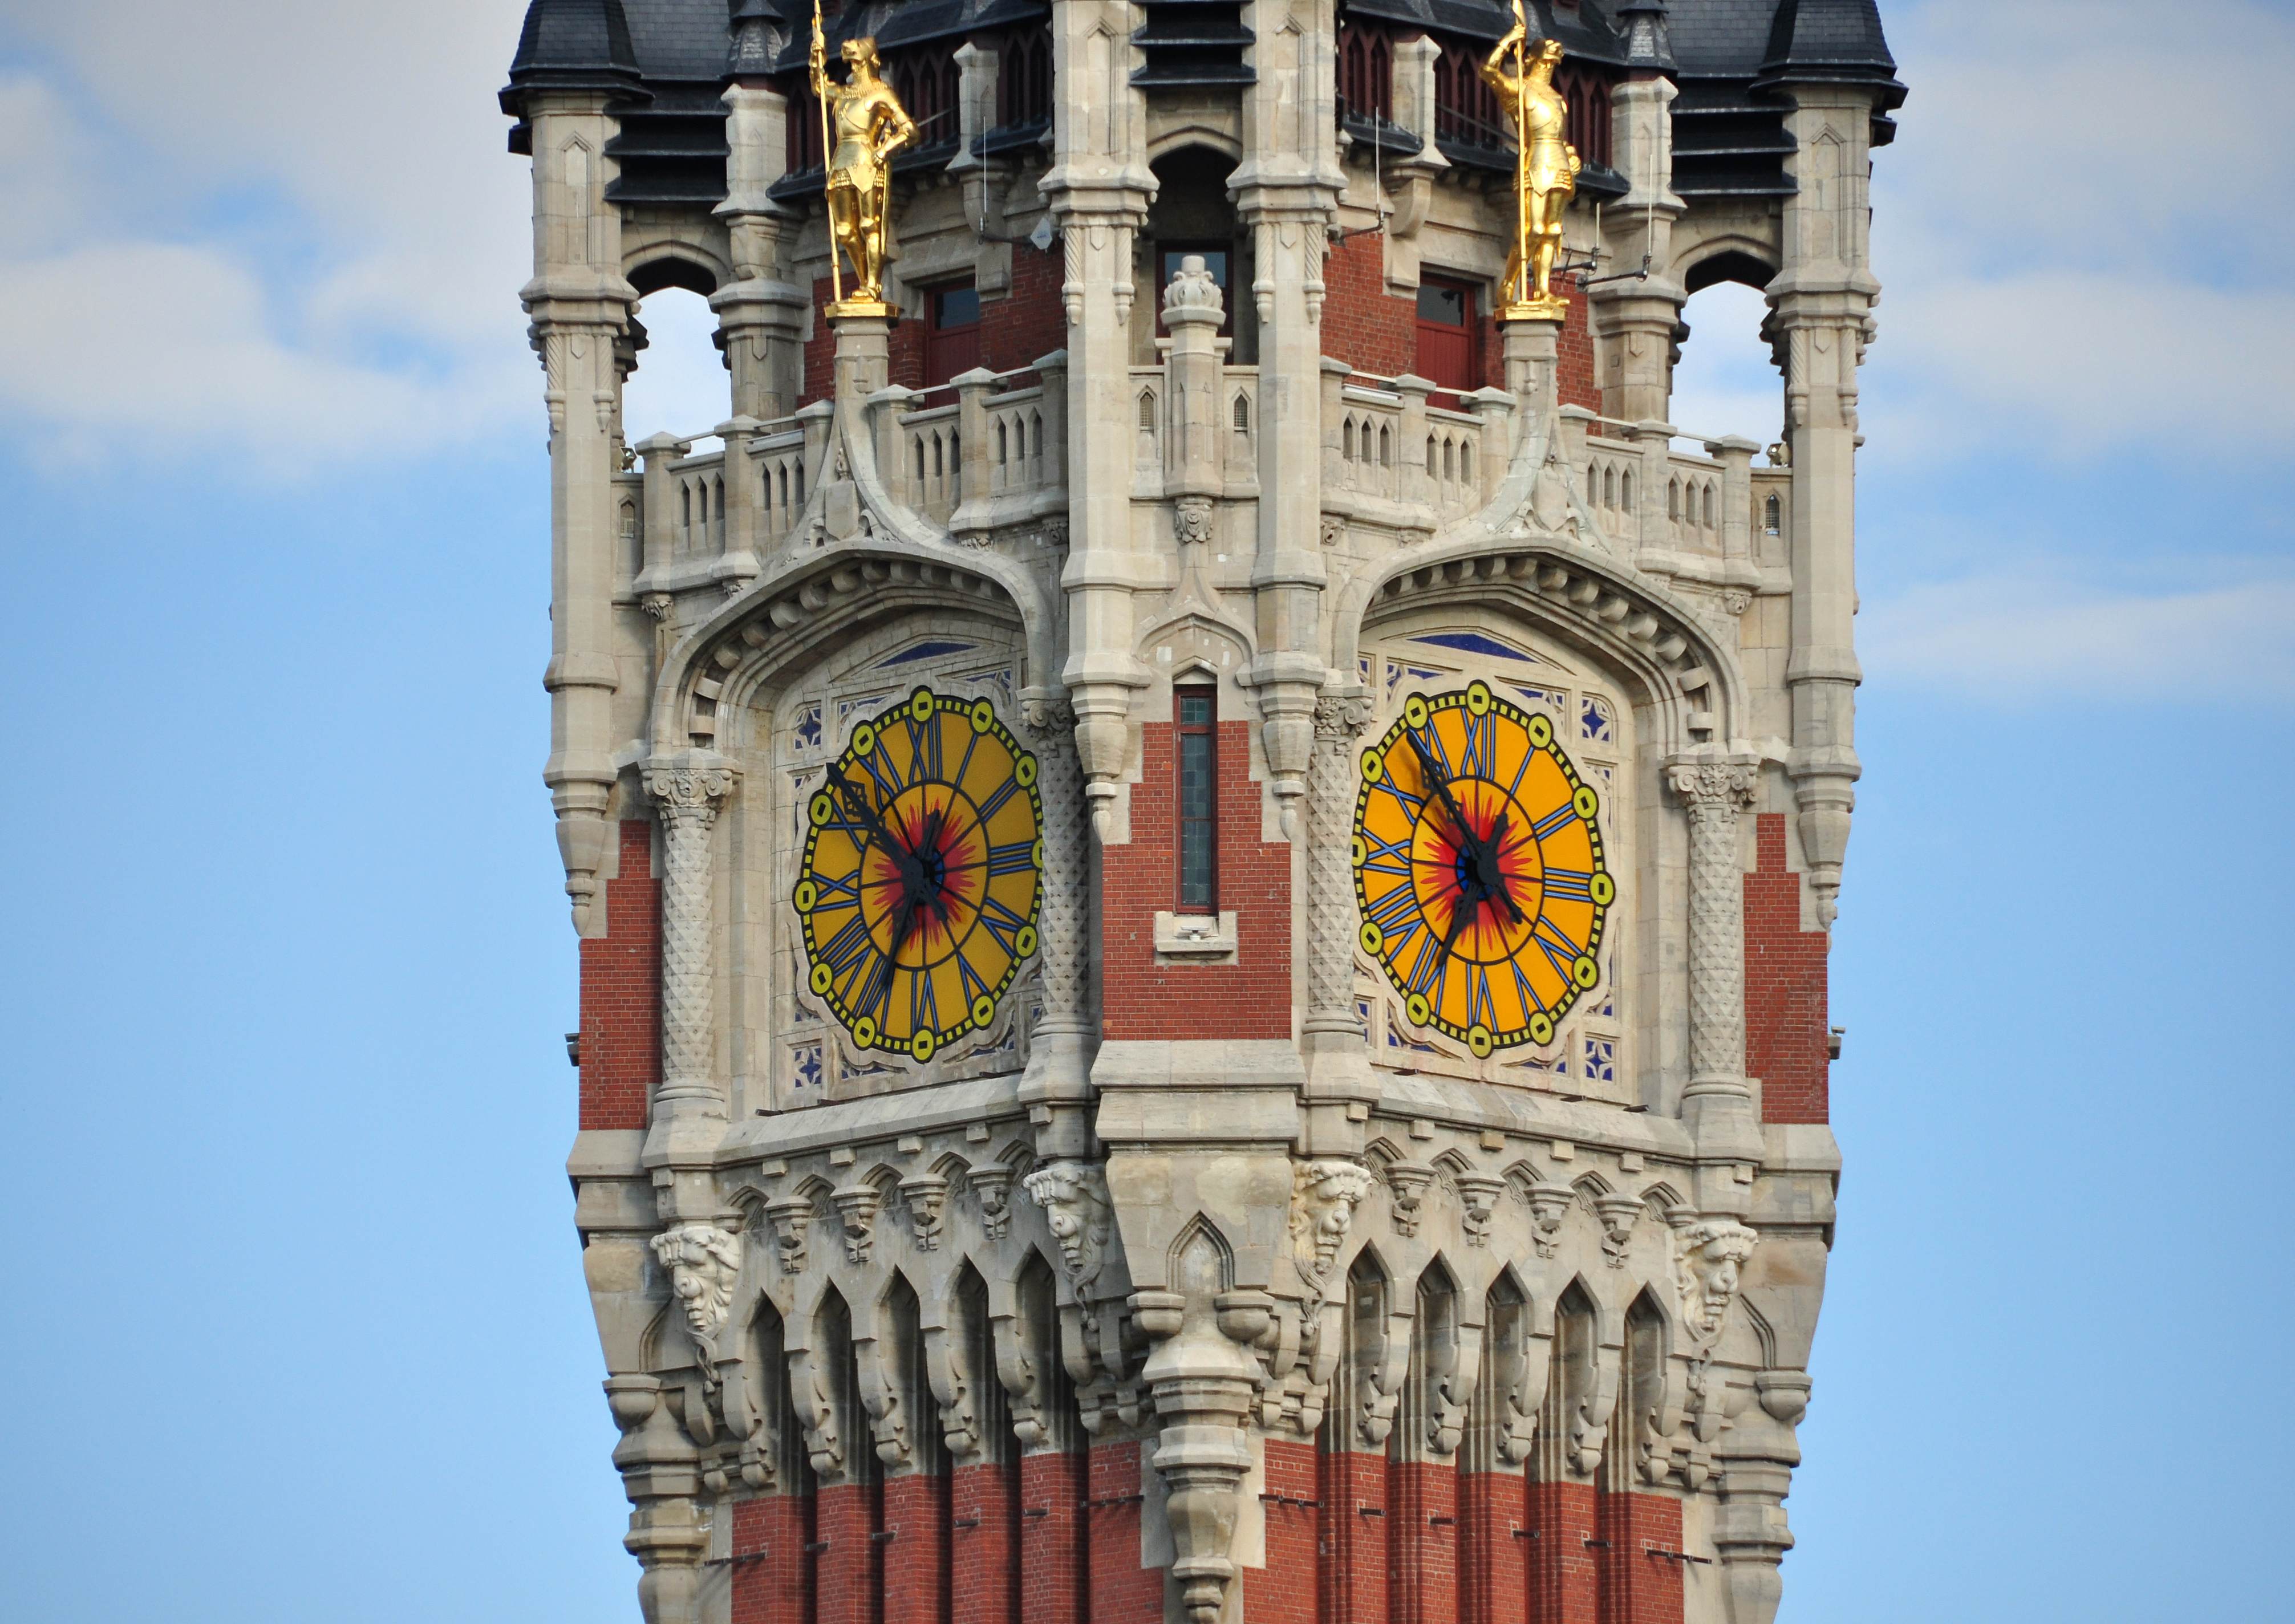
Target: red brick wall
(1248, 998)
(1422, 1535)
(1562, 1570)
(769, 1570)
(1052, 1570)
(914, 1561)
(1785, 984)
(1364, 325)
(845, 1578)
(1573, 351)
(821, 350)
(621, 992)
(1029, 323)
(1493, 1557)
(1122, 1592)
(1353, 1589)
(986, 1556)
(1283, 1591)
(1639, 1588)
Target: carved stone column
(1718, 1103)
(1332, 1037)
(689, 1109)
(1060, 1049)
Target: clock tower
(1202, 842)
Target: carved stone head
(703, 1262)
(1713, 1251)
(1323, 1198)
(1074, 1196)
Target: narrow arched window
(1771, 515)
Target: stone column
(761, 313)
(1338, 1068)
(1060, 1049)
(1718, 1104)
(689, 1109)
(1635, 320)
(580, 306)
(1823, 301)
(1530, 375)
(1097, 188)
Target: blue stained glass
(925, 651)
(808, 727)
(808, 1066)
(1475, 642)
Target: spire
(1829, 42)
(754, 37)
(574, 44)
(1649, 45)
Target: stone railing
(1676, 512)
(1391, 456)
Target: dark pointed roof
(1829, 42)
(573, 45)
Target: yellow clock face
(1478, 867)
(923, 872)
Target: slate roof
(665, 61)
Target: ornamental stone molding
(991, 1187)
(703, 1262)
(1323, 1195)
(856, 1209)
(1074, 1196)
(925, 1193)
(791, 1218)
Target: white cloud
(269, 231)
(2079, 234)
(2036, 636)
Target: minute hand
(1441, 781)
(911, 870)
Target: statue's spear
(1521, 151)
(820, 94)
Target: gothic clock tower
(1202, 842)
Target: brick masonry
(1562, 1581)
(1353, 1581)
(914, 1559)
(1248, 998)
(1053, 1571)
(1785, 987)
(1283, 1591)
(1121, 1591)
(1638, 1585)
(621, 992)
(844, 1575)
(985, 1556)
(1493, 1555)
(771, 1573)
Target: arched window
(1771, 515)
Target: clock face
(1478, 865)
(923, 871)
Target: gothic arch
(1634, 630)
(811, 602)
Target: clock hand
(1434, 775)
(1494, 878)
(905, 860)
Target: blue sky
(296, 1326)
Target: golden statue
(869, 125)
(1545, 170)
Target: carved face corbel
(1406, 1183)
(1073, 1195)
(1478, 1200)
(1618, 1213)
(1323, 1195)
(924, 1194)
(993, 1186)
(1712, 1252)
(1549, 1202)
(856, 1205)
(791, 1218)
(703, 1262)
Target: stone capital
(690, 785)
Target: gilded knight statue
(866, 125)
(1546, 175)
